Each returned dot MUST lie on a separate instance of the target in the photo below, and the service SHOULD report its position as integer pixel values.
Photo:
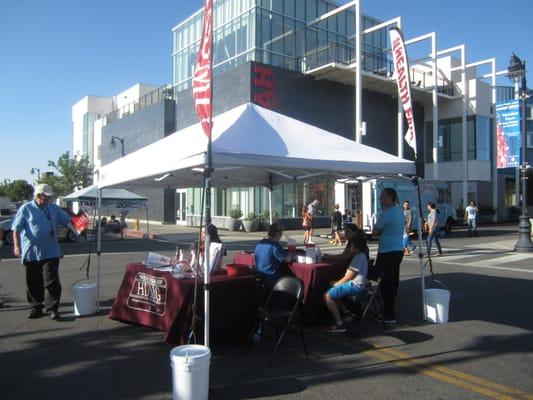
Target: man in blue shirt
(269, 255)
(390, 229)
(35, 241)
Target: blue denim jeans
(431, 236)
(472, 226)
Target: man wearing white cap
(35, 242)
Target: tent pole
(270, 216)
(98, 246)
(147, 224)
(420, 251)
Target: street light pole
(517, 72)
(121, 140)
(38, 173)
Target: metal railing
(377, 64)
(144, 101)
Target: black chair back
(286, 294)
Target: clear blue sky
(57, 51)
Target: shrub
(486, 210)
(235, 213)
(252, 217)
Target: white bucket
(84, 299)
(190, 372)
(437, 305)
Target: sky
(55, 52)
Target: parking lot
(485, 351)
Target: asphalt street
(484, 351)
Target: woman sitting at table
(269, 255)
(349, 250)
(214, 238)
(353, 282)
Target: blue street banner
(508, 138)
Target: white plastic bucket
(84, 299)
(190, 372)
(437, 305)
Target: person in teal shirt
(35, 241)
(389, 228)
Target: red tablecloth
(156, 299)
(316, 279)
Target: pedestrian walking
(35, 241)
(471, 213)
(312, 211)
(389, 228)
(408, 216)
(307, 223)
(336, 226)
(433, 228)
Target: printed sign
(401, 67)
(148, 293)
(508, 140)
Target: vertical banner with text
(401, 68)
(203, 72)
(508, 139)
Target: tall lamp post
(33, 170)
(121, 140)
(517, 72)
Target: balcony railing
(377, 64)
(144, 101)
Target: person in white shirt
(471, 213)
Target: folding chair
(281, 311)
(371, 295)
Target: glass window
(289, 8)
(300, 10)
(483, 135)
(277, 6)
(311, 9)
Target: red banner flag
(401, 66)
(203, 72)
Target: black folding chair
(281, 311)
(371, 295)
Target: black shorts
(306, 228)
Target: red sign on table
(148, 293)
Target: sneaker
(35, 313)
(337, 328)
(54, 315)
(388, 321)
(348, 317)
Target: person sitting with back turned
(353, 282)
(349, 251)
(269, 255)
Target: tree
(72, 173)
(18, 190)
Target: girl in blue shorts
(353, 282)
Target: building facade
(275, 53)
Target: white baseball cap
(43, 188)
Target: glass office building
(275, 32)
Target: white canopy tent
(110, 197)
(90, 194)
(251, 146)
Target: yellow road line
(443, 374)
(427, 371)
(467, 377)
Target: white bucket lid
(433, 292)
(190, 354)
(87, 285)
